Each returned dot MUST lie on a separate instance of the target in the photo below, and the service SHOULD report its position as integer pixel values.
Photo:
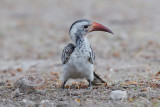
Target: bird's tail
(97, 80)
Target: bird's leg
(63, 85)
(90, 86)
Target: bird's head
(81, 28)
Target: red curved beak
(99, 27)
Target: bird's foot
(62, 89)
(90, 88)
(63, 86)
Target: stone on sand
(118, 95)
(29, 82)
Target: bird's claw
(61, 89)
(89, 88)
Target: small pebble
(15, 93)
(44, 101)
(118, 95)
(28, 103)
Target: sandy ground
(34, 33)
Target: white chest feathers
(78, 65)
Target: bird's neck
(82, 42)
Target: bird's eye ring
(86, 26)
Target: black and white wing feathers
(67, 51)
(97, 80)
(92, 56)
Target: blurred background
(33, 34)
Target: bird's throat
(81, 41)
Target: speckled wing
(97, 80)
(92, 56)
(67, 51)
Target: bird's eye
(86, 26)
